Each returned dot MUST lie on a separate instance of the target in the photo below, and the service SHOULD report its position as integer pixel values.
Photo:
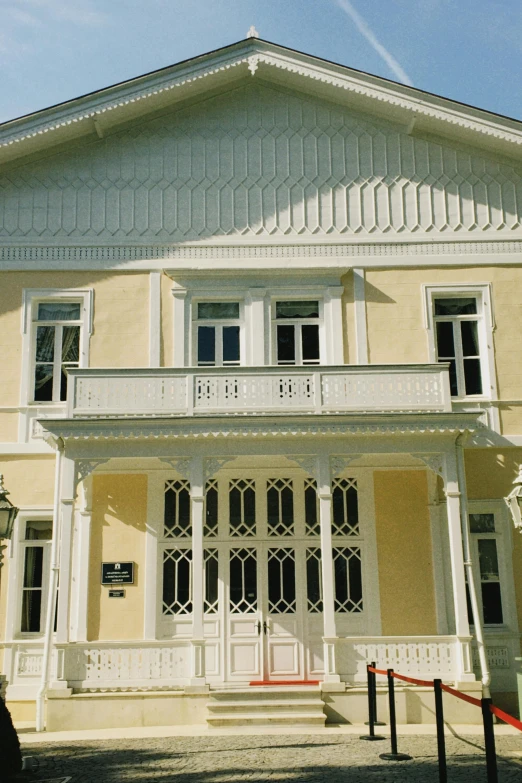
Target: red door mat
(284, 682)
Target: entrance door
(265, 618)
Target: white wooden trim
(155, 493)
(361, 326)
(66, 507)
(180, 327)
(154, 319)
(438, 558)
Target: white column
(197, 504)
(256, 327)
(154, 319)
(333, 324)
(82, 534)
(452, 491)
(361, 328)
(181, 351)
(66, 510)
(324, 492)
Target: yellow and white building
(260, 327)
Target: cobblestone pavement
(260, 758)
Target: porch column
(324, 491)
(180, 351)
(66, 511)
(82, 534)
(452, 492)
(197, 505)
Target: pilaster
(197, 506)
(180, 337)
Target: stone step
(276, 719)
(266, 694)
(266, 706)
(256, 705)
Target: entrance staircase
(266, 706)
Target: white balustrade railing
(259, 390)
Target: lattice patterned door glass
(281, 581)
(348, 579)
(345, 510)
(177, 582)
(314, 584)
(177, 510)
(280, 507)
(312, 525)
(243, 581)
(211, 509)
(211, 580)
(242, 498)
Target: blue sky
(54, 50)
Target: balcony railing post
(191, 382)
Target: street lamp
(514, 500)
(8, 514)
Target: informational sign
(117, 574)
(116, 593)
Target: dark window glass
(285, 344)
(206, 345)
(456, 306)
(38, 530)
(243, 581)
(32, 593)
(311, 510)
(310, 342)
(445, 341)
(59, 311)
(218, 310)
(341, 582)
(488, 559)
(231, 343)
(33, 566)
(355, 580)
(470, 344)
(211, 581)
(482, 523)
(313, 584)
(297, 309)
(211, 510)
(492, 603)
(31, 611)
(472, 376)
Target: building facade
(260, 326)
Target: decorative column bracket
(84, 467)
(340, 462)
(212, 465)
(434, 462)
(180, 464)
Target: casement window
(460, 325)
(217, 331)
(489, 568)
(35, 559)
(296, 331)
(56, 327)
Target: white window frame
(503, 537)
(216, 323)
(32, 297)
(485, 325)
(319, 322)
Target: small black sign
(117, 573)
(116, 593)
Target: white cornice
(258, 57)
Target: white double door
(266, 612)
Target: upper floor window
(457, 340)
(57, 328)
(217, 334)
(296, 332)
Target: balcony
(234, 391)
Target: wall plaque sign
(116, 593)
(117, 574)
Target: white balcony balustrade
(259, 390)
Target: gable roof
(100, 111)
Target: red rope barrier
(426, 683)
(378, 671)
(505, 717)
(460, 695)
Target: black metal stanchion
(489, 742)
(376, 721)
(372, 736)
(441, 742)
(394, 755)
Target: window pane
(492, 603)
(297, 309)
(310, 342)
(59, 311)
(43, 383)
(38, 531)
(206, 345)
(217, 310)
(488, 559)
(285, 345)
(33, 566)
(231, 343)
(70, 343)
(482, 523)
(472, 376)
(211, 582)
(456, 306)
(45, 343)
(31, 611)
(469, 330)
(445, 342)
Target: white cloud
(80, 12)
(365, 30)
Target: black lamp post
(8, 514)
(514, 501)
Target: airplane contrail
(381, 50)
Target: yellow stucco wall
(350, 354)
(404, 553)
(118, 533)
(30, 480)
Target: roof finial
(252, 33)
